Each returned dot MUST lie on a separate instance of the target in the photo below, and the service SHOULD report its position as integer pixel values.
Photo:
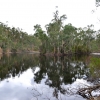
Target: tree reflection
(13, 65)
(94, 66)
(56, 71)
(60, 70)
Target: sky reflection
(24, 88)
(17, 88)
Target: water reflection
(14, 65)
(21, 73)
(61, 71)
(94, 66)
(17, 88)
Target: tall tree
(40, 34)
(54, 30)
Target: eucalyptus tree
(54, 30)
(88, 37)
(1, 35)
(14, 39)
(69, 36)
(52, 37)
(4, 30)
(97, 41)
(84, 39)
(41, 35)
(81, 41)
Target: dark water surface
(34, 77)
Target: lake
(35, 77)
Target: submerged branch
(87, 92)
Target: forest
(58, 39)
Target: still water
(34, 77)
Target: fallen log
(87, 92)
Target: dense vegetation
(57, 39)
(64, 39)
(55, 71)
(15, 40)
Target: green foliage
(15, 39)
(40, 34)
(57, 39)
(64, 39)
(95, 67)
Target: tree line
(57, 39)
(65, 39)
(15, 40)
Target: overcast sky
(27, 13)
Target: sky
(27, 13)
